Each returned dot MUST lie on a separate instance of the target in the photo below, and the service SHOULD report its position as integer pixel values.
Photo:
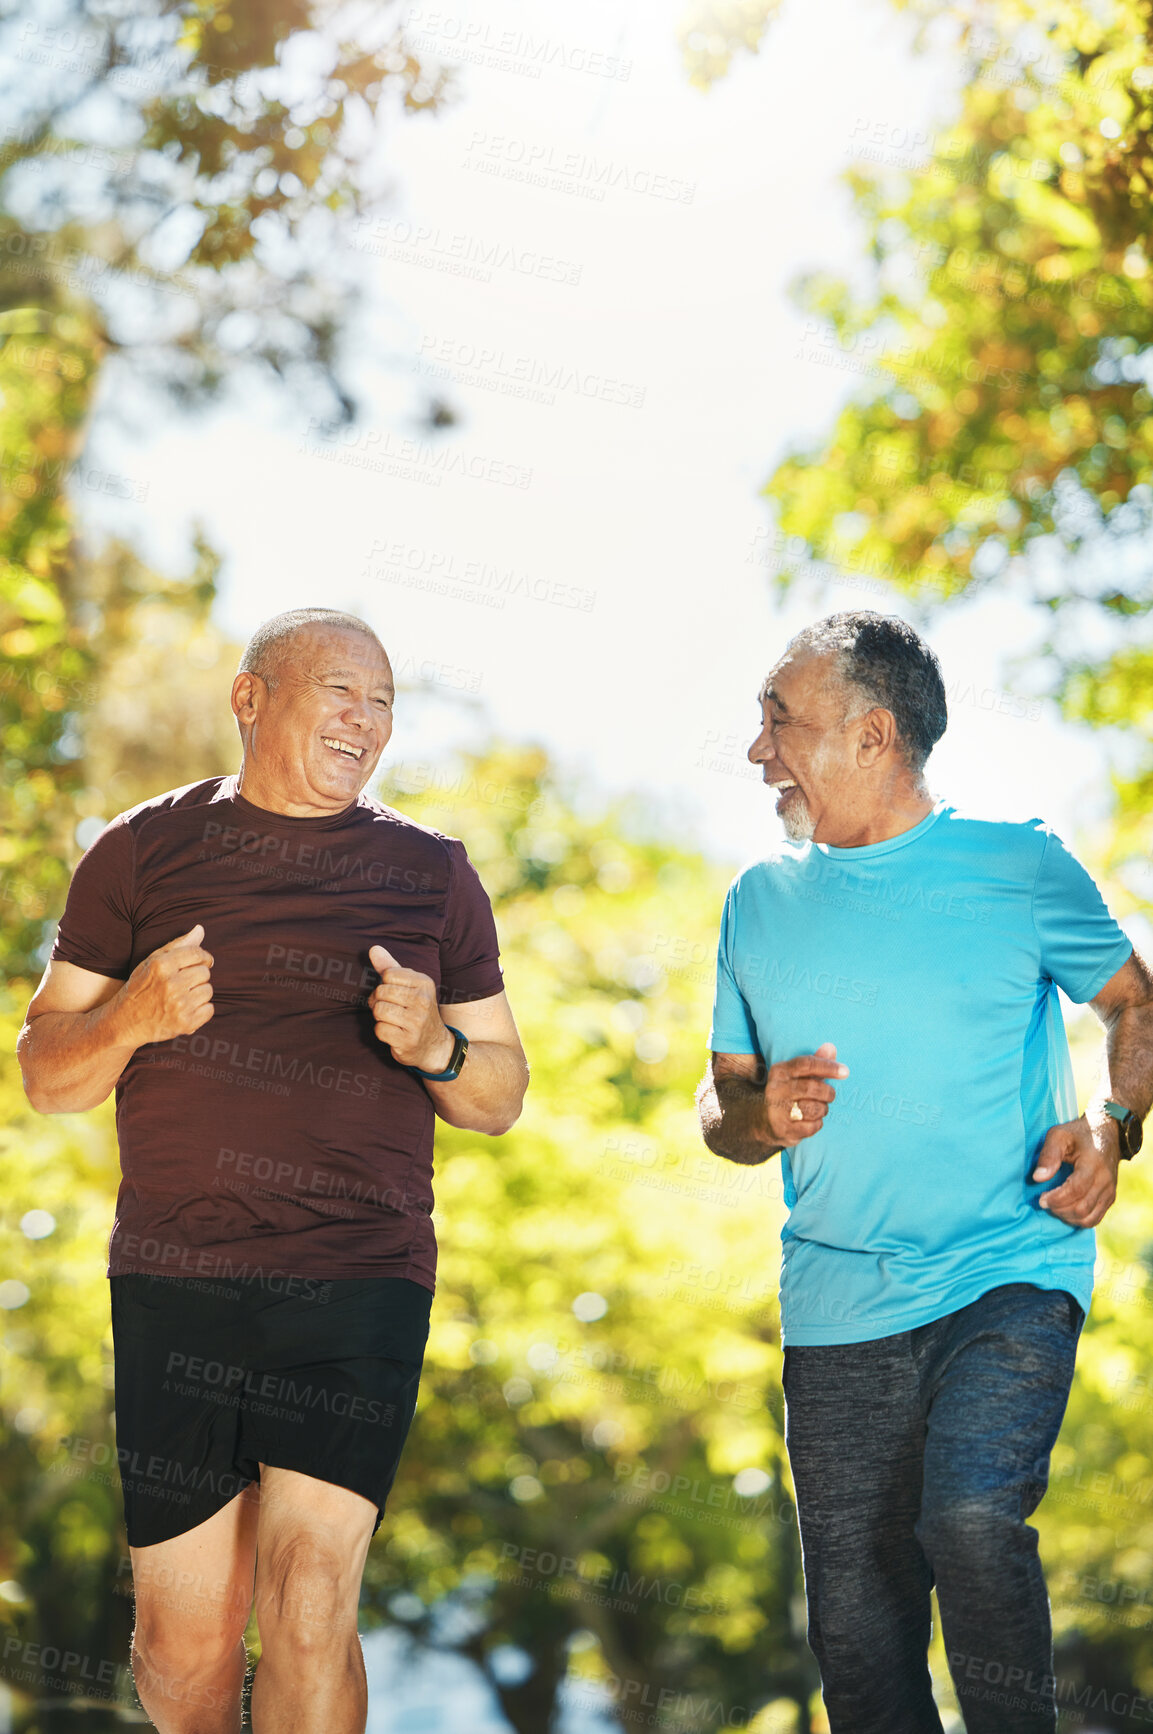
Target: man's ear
(877, 734)
(248, 690)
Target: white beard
(797, 819)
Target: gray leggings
(916, 1460)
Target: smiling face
(809, 748)
(314, 733)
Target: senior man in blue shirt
(887, 1020)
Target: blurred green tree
(1003, 429)
(171, 181)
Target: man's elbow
(505, 1119)
(46, 1099)
(42, 1099)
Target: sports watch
(456, 1063)
(1129, 1133)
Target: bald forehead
(317, 648)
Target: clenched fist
(407, 1017)
(797, 1097)
(170, 993)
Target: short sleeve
(469, 952)
(1081, 944)
(733, 1031)
(96, 930)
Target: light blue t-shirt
(931, 961)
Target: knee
(302, 1598)
(973, 1532)
(174, 1646)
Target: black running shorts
(215, 1377)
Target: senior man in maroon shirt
(285, 982)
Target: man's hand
(800, 1083)
(1093, 1151)
(747, 1111)
(169, 994)
(407, 1017)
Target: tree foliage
(1002, 429)
(171, 178)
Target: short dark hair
(264, 652)
(892, 667)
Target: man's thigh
(312, 1543)
(198, 1587)
(855, 1435)
(997, 1396)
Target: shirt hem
(1078, 1282)
(290, 1271)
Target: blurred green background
(595, 1503)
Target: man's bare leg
(312, 1544)
(193, 1599)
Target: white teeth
(342, 747)
(786, 785)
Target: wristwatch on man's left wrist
(1129, 1131)
(455, 1064)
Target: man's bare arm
(495, 1075)
(82, 1028)
(750, 1112)
(488, 1094)
(1125, 1007)
(1091, 1144)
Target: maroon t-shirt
(281, 1136)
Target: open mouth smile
(344, 747)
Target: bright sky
(584, 553)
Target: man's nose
(358, 713)
(762, 749)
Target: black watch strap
(455, 1064)
(1129, 1129)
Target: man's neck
(260, 792)
(883, 823)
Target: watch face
(1132, 1132)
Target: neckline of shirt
(866, 851)
(326, 822)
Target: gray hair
(264, 652)
(891, 667)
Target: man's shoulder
(189, 795)
(377, 812)
(1022, 840)
(777, 867)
